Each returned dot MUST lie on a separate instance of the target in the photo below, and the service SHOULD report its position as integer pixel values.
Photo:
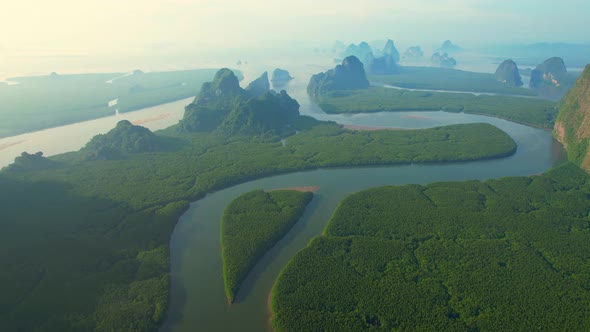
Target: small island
(280, 77)
(508, 73)
(251, 225)
(443, 60)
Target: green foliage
(572, 118)
(124, 138)
(433, 78)
(536, 112)
(29, 162)
(330, 145)
(48, 101)
(76, 231)
(251, 225)
(502, 255)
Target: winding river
(197, 295)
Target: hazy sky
(88, 26)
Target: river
(72, 137)
(197, 294)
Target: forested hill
(572, 127)
(223, 106)
(124, 138)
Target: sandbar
(154, 118)
(302, 189)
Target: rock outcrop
(386, 64)
(362, 51)
(448, 47)
(258, 86)
(414, 53)
(551, 79)
(215, 100)
(350, 75)
(508, 73)
(280, 77)
(552, 72)
(572, 127)
(443, 60)
(224, 107)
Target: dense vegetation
(571, 127)
(124, 138)
(502, 255)
(536, 112)
(94, 233)
(53, 100)
(433, 78)
(251, 225)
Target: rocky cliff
(507, 73)
(350, 75)
(224, 107)
(572, 127)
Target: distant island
(443, 60)
(348, 75)
(280, 76)
(507, 72)
(413, 53)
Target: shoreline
(151, 119)
(93, 119)
(269, 310)
(371, 128)
(311, 189)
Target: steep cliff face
(507, 73)
(572, 127)
(350, 75)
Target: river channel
(197, 296)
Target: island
(551, 78)
(251, 225)
(507, 72)
(571, 127)
(443, 60)
(280, 77)
(413, 53)
(348, 93)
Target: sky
(82, 26)
(64, 27)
